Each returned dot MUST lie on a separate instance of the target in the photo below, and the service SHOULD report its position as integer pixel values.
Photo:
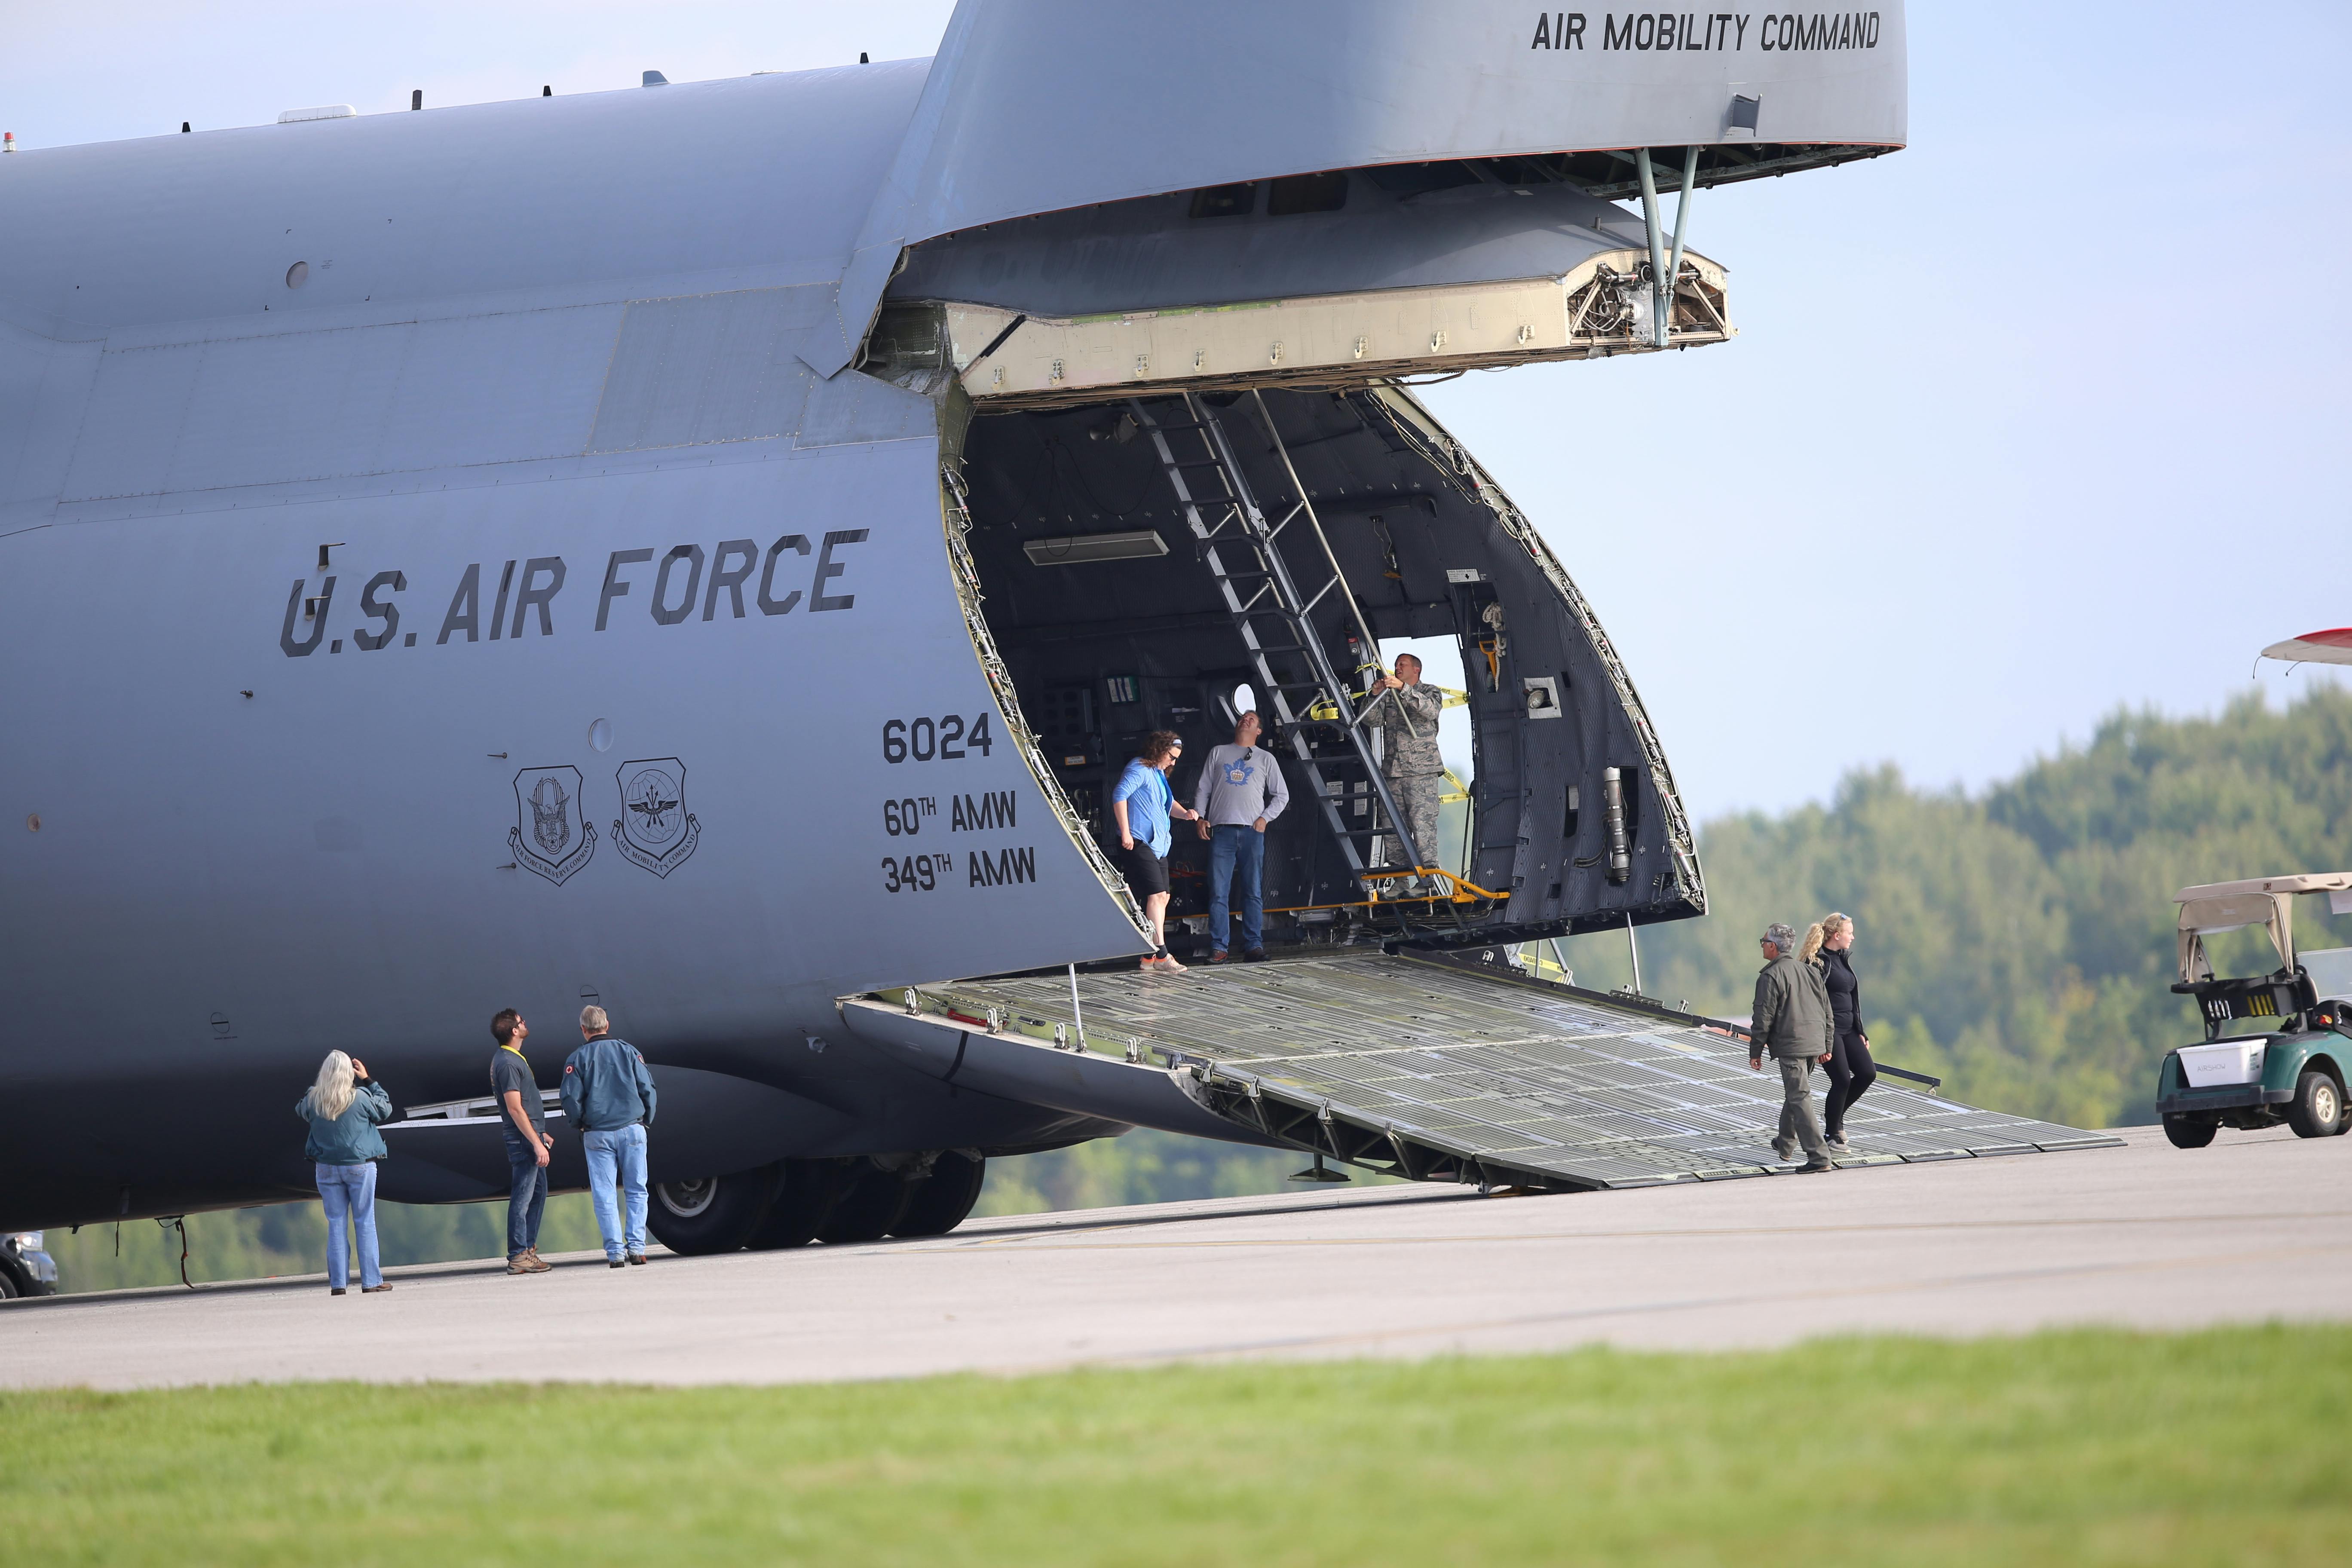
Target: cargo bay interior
(1113, 615)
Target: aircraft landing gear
(796, 1202)
(945, 1197)
(875, 1202)
(806, 1200)
(710, 1213)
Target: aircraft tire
(945, 1197)
(805, 1202)
(2317, 1108)
(2189, 1131)
(875, 1201)
(714, 1214)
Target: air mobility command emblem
(654, 830)
(552, 835)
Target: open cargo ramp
(1425, 1068)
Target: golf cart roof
(2212, 908)
(2301, 882)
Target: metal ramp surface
(1441, 1072)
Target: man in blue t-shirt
(1143, 802)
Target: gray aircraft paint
(557, 330)
(1236, 90)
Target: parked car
(24, 1268)
(2291, 1066)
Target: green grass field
(2224, 1447)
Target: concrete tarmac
(2258, 1227)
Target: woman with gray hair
(343, 1109)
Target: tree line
(2019, 941)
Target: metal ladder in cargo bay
(1294, 672)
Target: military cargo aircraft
(708, 549)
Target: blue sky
(2041, 415)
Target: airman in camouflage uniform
(1406, 714)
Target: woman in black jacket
(1851, 1069)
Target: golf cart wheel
(945, 1196)
(2317, 1110)
(2189, 1131)
(710, 1213)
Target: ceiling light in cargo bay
(1070, 550)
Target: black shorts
(1147, 873)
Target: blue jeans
(1236, 847)
(526, 1195)
(618, 1153)
(349, 1192)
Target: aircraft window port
(1225, 201)
(1298, 194)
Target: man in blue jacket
(609, 1096)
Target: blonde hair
(332, 1094)
(592, 1019)
(1819, 932)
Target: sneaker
(636, 1258)
(528, 1263)
(1255, 956)
(1784, 1152)
(1218, 956)
(334, 1290)
(1164, 964)
(374, 1289)
(1815, 1167)
(615, 1263)
(1838, 1145)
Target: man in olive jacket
(1792, 1019)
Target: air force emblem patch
(552, 835)
(654, 830)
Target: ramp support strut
(1664, 274)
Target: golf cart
(2293, 1069)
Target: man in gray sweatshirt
(1792, 1019)
(1241, 790)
